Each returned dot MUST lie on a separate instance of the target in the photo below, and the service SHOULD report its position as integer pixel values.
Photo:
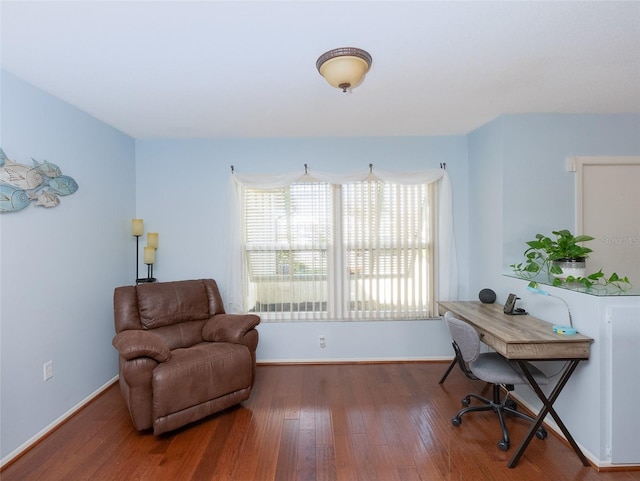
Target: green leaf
(596, 275)
(583, 238)
(555, 270)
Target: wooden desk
(526, 338)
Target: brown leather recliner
(181, 357)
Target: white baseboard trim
(351, 360)
(550, 423)
(34, 439)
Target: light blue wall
(485, 206)
(182, 189)
(59, 266)
(182, 194)
(519, 186)
(539, 192)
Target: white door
(608, 208)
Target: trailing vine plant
(544, 250)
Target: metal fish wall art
(47, 168)
(63, 185)
(20, 175)
(12, 199)
(45, 198)
(41, 183)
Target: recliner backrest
(176, 311)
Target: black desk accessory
(510, 306)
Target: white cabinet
(599, 403)
(624, 325)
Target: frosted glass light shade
(344, 68)
(149, 255)
(137, 227)
(152, 239)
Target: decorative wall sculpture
(42, 183)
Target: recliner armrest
(229, 327)
(134, 344)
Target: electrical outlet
(48, 370)
(322, 343)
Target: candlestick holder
(138, 280)
(150, 256)
(149, 277)
(137, 229)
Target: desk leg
(547, 408)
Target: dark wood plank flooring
(346, 422)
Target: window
(317, 248)
(387, 247)
(288, 232)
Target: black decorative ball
(487, 296)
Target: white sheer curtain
(446, 268)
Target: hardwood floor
(347, 422)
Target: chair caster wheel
(456, 421)
(541, 433)
(466, 401)
(511, 404)
(503, 445)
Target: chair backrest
(176, 311)
(464, 336)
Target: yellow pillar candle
(149, 255)
(152, 239)
(137, 227)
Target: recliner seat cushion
(198, 374)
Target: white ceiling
(204, 69)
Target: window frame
(443, 255)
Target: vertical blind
(328, 246)
(387, 244)
(288, 232)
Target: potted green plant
(563, 260)
(560, 256)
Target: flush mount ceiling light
(344, 68)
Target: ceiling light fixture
(344, 68)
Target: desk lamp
(557, 329)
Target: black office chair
(492, 368)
